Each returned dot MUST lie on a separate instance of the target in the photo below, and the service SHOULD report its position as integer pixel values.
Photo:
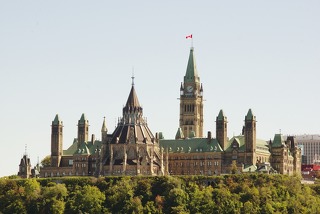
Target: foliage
(46, 161)
(234, 193)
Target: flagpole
(192, 42)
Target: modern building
(310, 145)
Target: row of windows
(78, 165)
(195, 157)
(201, 163)
(189, 108)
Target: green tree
(234, 168)
(88, 199)
(32, 190)
(200, 199)
(177, 200)
(227, 202)
(119, 195)
(150, 208)
(46, 161)
(53, 198)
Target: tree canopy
(236, 193)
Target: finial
(132, 76)
(25, 149)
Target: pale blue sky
(74, 57)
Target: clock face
(189, 88)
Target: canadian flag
(189, 36)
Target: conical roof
(133, 99)
(221, 115)
(249, 115)
(83, 119)
(104, 126)
(192, 72)
(56, 120)
(179, 134)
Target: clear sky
(74, 57)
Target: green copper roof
(179, 134)
(221, 115)
(191, 145)
(278, 141)
(83, 119)
(56, 120)
(191, 73)
(249, 115)
(85, 148)
(261, 145)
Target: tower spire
(191, 72)
(132, 77)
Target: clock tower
(191, 101)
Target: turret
(250, 137)
(56, 141)
(104, 131)
(221, 130)
(83, 130)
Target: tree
(234, 168)
(119, 195)
(32, 191)
(53, 198)
(177, 201)
(46, 161)
(200, 199)
(88, 200)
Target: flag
(189, 36)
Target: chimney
(209, 135)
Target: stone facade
(191, 153)
(132, 149)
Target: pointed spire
(56, 120)
(249, 115)
(83, 119)
(179, 134)
(191, 73)
(132, 77)
(221, 115)
(132, 99)
(181, 87)
(104, 126)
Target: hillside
(246, 193)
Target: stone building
(130, 150)
(191, 153)
(285, 155)
(25, 167)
